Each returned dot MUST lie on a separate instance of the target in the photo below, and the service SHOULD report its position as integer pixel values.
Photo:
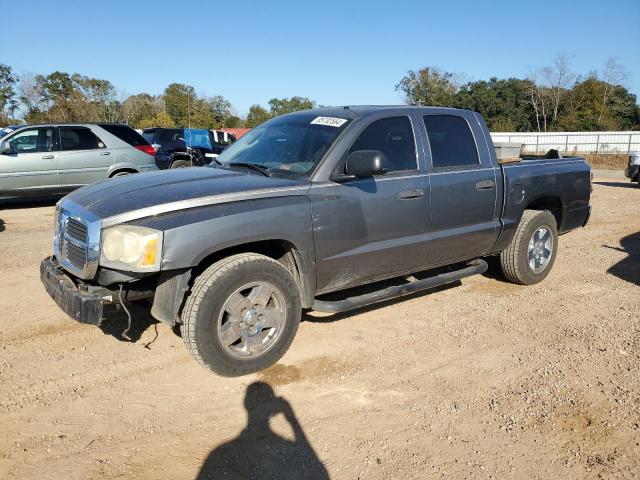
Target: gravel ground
(481, 380)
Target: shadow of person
(629, 267)
(258, 452)
(1, 225)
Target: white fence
(579, 142)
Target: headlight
(634, 160)
(131, 248)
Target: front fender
(192, 235)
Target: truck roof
(358, 111)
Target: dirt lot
(482, 380)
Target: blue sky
(335, 52)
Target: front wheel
(241, 314)
(530, 255)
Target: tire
(516, 259)
(214, 314)
(181, 164)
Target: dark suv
(184, 147)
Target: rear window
(149, 135)
(170, 135)
(126, 134)
(451, 141)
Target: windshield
(291, 144)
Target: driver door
(366, 229)
(29, 169)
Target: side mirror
(5, 147)
(366, 163)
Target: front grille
(76, 230)
(76, 255)
(73, 239)
(77, 240)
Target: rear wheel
(241, 315)
(530, 256)
(181, 164)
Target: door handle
(47, 157)
(105, 153)
(412, 193)
(485, 185)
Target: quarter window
(78, 138)
(32, 140)
(394, 137)
(451, 141)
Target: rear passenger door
(372, 228)
(83, 158)
(464, 219)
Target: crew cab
(301, 210)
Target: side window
(393, 136)
(451, 141)
(33, 140)
(169, 136)
(79, 138)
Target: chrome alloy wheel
(251, 320)
(540, 249)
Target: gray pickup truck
(297, 213)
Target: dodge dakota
(301, 210)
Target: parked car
(54, 159)
(182, 147)
(301, 209)
(220, 140)
(8, 129)
(633, 167)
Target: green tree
(503, 103)
(186, 108)
(428, 86)
(587, 112)
(140, 107)
(233, 121)
(178, 100)
(8, 103)
(280, 106)
(256, 116)
(161, 119)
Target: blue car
(8, 129)
(181, 147)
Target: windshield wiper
(253, 166)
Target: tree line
(550, 98)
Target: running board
(474, 267)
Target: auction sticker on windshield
(330, 121)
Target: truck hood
(137, 196)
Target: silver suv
(54, 159)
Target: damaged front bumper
(81, 304)
(88, 303)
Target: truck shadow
(2, 225)
(260, 453)
(617, 184)
(494, 271)
(15, 204)
(311, 316)
(117, 321)
(628, 268)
